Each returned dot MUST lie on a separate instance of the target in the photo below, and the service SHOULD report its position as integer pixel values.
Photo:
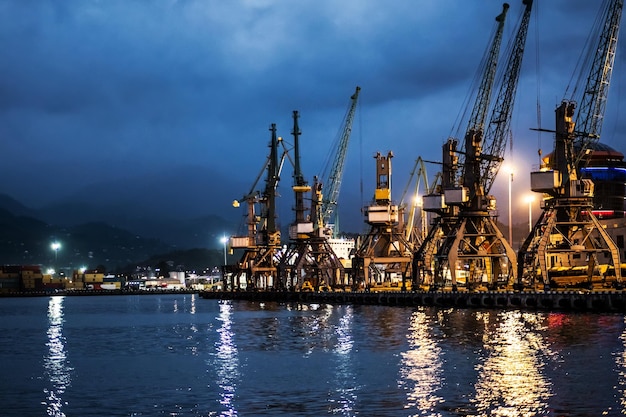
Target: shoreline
(86, 293)
(609, 301)
(599, 301)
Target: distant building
(607, 170)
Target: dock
(576, 301)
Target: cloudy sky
(99, 90)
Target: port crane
(567, 236)
(445, 217)
(262, 241)
(384, 254)
(308, 261)
(427, 269)
(472, 242)
(331, 184)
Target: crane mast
(332, 185)
(384, 255)
(271, 235)
(423, 265)
(567, 236)
(262, 241)
(308, 261)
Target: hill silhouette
(27, 240)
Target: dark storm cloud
(112, 89)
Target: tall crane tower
(331, 184)
(308, 258)
(261, 243)
(384, 252)
(444, 221)
(567, 236)
(473, 243)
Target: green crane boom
(332, 184)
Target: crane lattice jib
(332, 185)
(479, 112)
(593, 102)
(420, 169)
(500, 121)
(489, 64)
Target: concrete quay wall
(601, 301)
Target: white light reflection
(344, 378)
(56, 365)
(228, 361)
(317, 330)
(511, 380)
(621, 366)
(421, 367)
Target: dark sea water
(179, 355)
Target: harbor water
(179, 355)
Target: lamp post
(509, 170)
(224, 240)
(419, 202)
(530, 199)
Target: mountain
(129, 220)
(26, 240)
(15, 207)
(187, 208)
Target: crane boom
(420, 169)
(500, 121)
(479, 111)
(593, 103)
(475, 127)
(332, 185)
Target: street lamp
(530, 199)
(224, 240)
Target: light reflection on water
(178, 355)
(227, 361)
(345, 379)
(56, 364)
(620, 359)
(420, 370)
(510, 377)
